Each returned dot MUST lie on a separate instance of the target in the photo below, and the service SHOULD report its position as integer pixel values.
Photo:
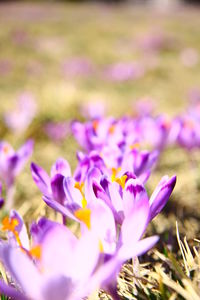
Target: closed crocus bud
(161, 195)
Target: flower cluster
(105, 196)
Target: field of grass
(37, 41)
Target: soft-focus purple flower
(154, 131)
(189, 57)
(11, 164)
(194, 96)
(153, 42)
(94, 109)
(57, 131)
(95, 134)
(77, 67)
(143, 107)
(124, 71)
(189, 132)
(6, 67)
(20, 36)
(21, 117)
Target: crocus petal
(85, 257)
(132, 250)
(161, 195)
(1, 202)
(62, 167)
(11, 292)
(57, 287)
(134, 191)
(144, 176)
(57, 188)
(23, 155)
(92, 178)
(60, 208)
(73, 195)
(21, 229)
(103, 225)
(135, 222)
(58, 246)
(23, 272)
(41, 179)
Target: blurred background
(55, 57)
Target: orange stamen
(36, 252)
(10, 225)
(80, 187)
(111, 129)
(84, 215)
(95, 125)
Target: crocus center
(111, 129)
(120, 180)
(10, 225)
(36, 252)
(7, 149)
(101, 249)
(95, 125)
(84, 215)
(134, 146)
(114, 173)
(80, 186)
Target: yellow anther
(111, 129)
(135, 146)
(84, 202)
(6, 149)
(114, 173)
(10, 225)
(80, 186)
(122, 181)
(36, 252)
(101, 249)
(84, 215)
(95, 125)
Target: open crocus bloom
(123, 192)
(61, 271)
(52, 186)
(60, 266)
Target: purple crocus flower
(66, 268)
(189, 57)
(188, 135)
(94, 110)
(93, 135)
(16, 230)
(52, 186)
(123, 192)
(21, 117)
(124, 71)
(11, 164)
(77, 67)
(57, 131)
(61, 269)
